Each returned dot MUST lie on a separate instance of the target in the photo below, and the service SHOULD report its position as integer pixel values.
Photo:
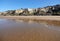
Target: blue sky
(17, 4)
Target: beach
(29, 28)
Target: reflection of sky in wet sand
(28, 30)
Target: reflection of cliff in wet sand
(54, 20)
(50, 22)
(28, 28)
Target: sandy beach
(57, 18)
(29, 28)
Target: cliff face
(49, 10)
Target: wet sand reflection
(29, 30)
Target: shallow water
(28, 30)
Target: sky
(17, 4)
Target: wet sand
(29, 30)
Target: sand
(57, 18)
(13, 30)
